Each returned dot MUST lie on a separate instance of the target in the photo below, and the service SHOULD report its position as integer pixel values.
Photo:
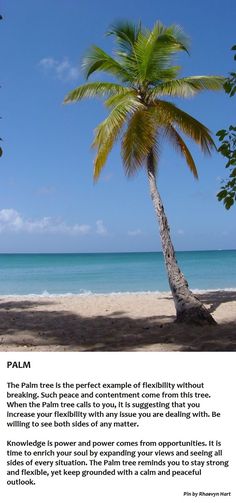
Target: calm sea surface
(43, 274)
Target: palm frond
(181, 147)
(116, 99)
(95, 89)
(188, 86)
(99, 60)
(164, 74)
(108, 131)
(138, 140)
(178, 38)
(154, 51)
(126, 34)
(169, 114)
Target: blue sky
(48, 201)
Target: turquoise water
(23, 274)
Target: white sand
(127, 322)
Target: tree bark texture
(189, 309)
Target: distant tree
(227, 138)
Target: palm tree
(144, 68)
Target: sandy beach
(124, 322)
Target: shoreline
(157, 293)
(115, 322)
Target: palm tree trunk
(188, 308)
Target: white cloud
(135, 232)
(63, 70)
(12, 221)
(47, 63)
(100, 228)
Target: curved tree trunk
(188, 308)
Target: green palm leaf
(108, 131)
(181, 147)
(94, 89)
(99, 60)
(138, 140)
(169, 114)
(154, 51)
(126, 35)
(116, 99)
(188, 86)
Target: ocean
(91, 273)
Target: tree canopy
(145, 70)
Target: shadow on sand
(26, 329)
